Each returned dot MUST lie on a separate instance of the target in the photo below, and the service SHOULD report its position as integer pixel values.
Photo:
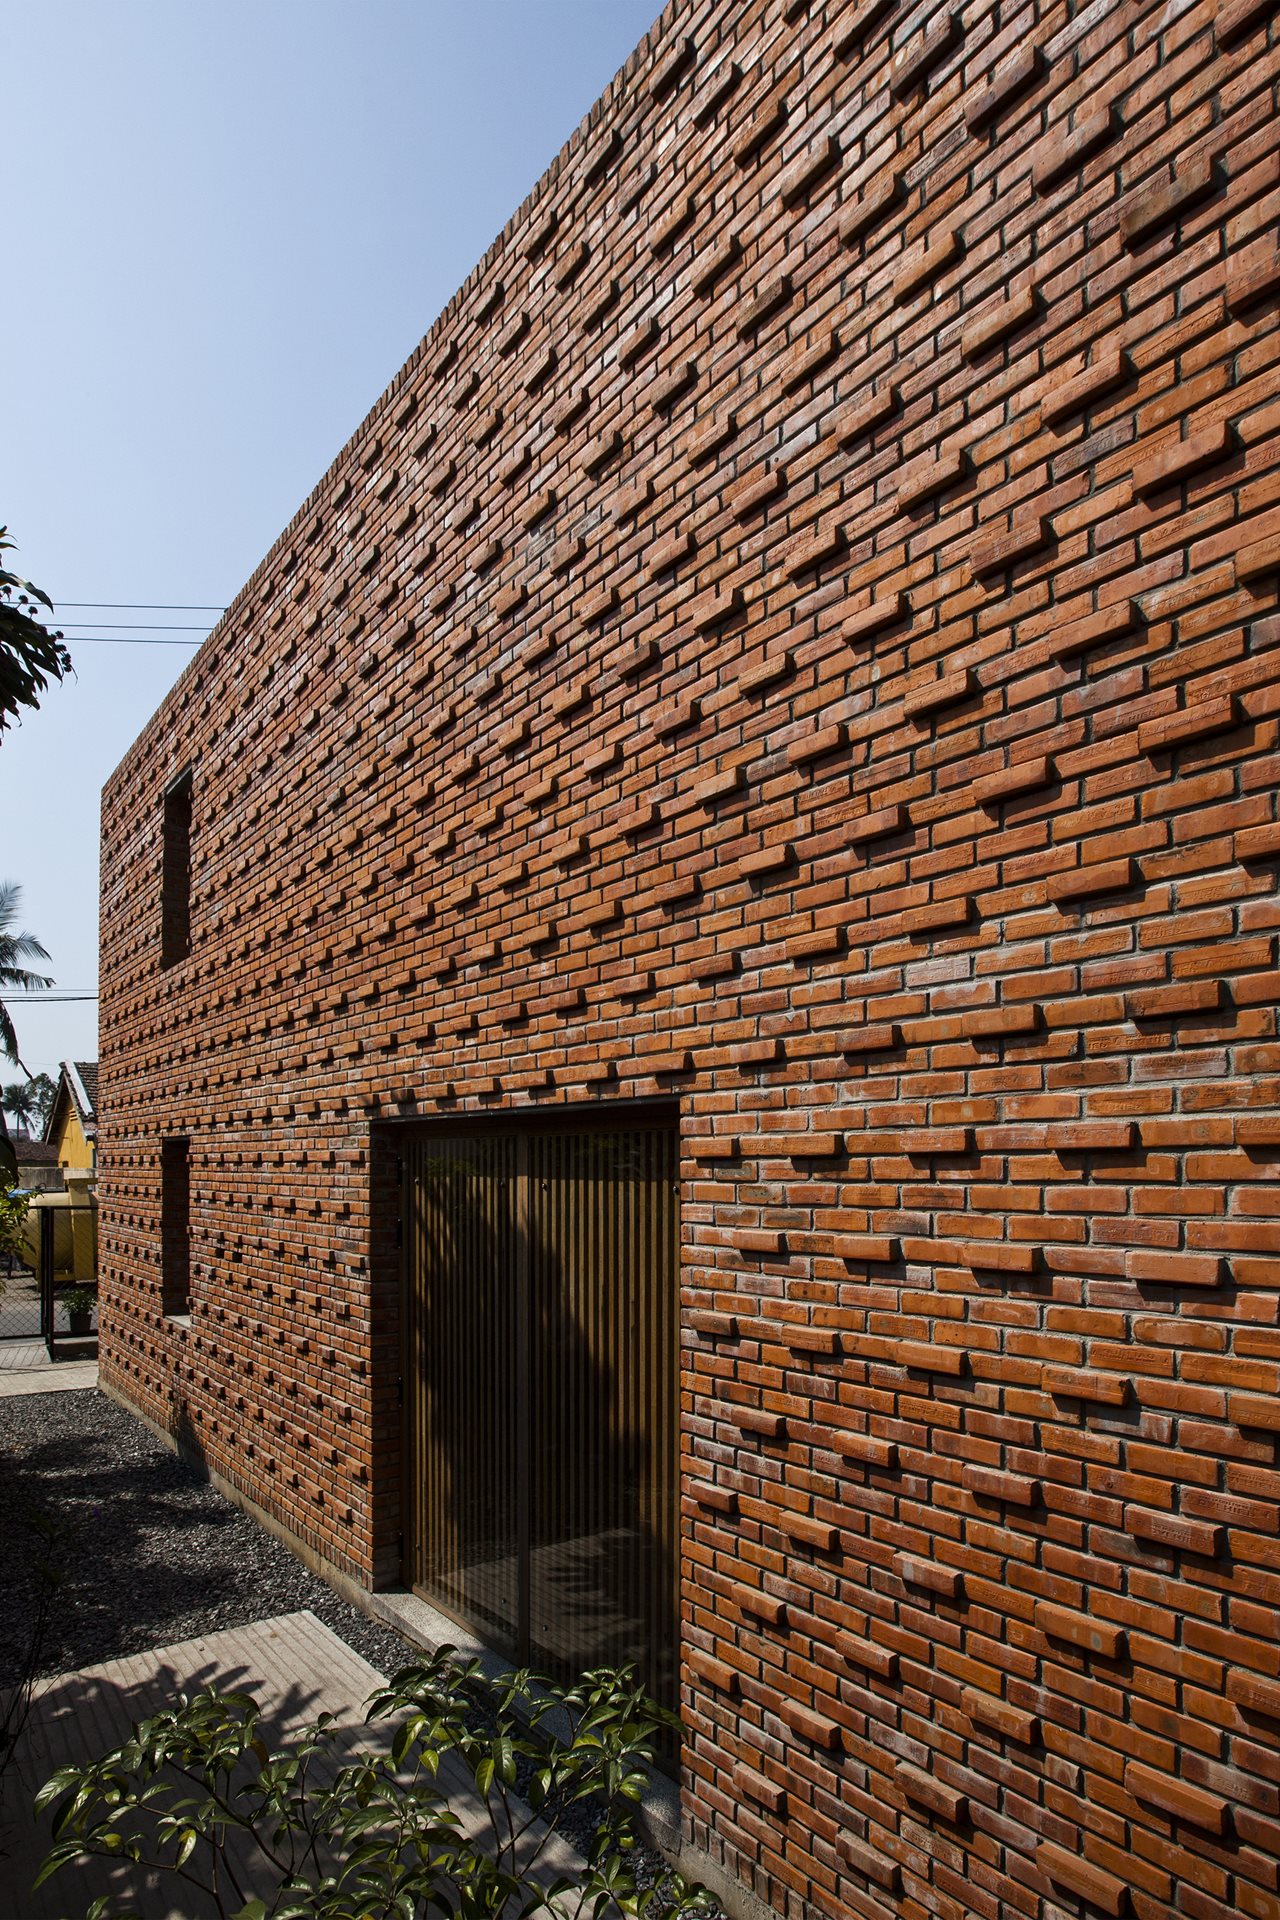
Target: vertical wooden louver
(542, 1320)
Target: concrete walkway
(294, 1667)
(25, 1367)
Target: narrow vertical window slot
(175, 877)
(175, 1225)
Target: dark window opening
(175, 876)
(175, 1225)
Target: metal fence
(68, 1272)
(52, 1294)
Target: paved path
(296, 1669)
(25, 1367)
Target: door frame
(597, 1116)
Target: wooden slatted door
(542, 1398)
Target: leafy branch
(299, 1835)
(30, 653)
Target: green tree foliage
(22, 1106)
(29, 1103)
(292, 1836)
(43, 1094)
(30, 654)
(15, 947)
(13, 1220)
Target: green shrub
(196, 1793)
(13, 1224)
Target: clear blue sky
(227, 225)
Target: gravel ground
(150, 1554)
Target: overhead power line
(143, 606)
(139, 626)
(44, 999)
(123, 640)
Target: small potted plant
(78, 1302)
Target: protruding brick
(1180, 459)
(878, 1036)
(862, 417)
(764, 303)
(934, 1795)
(1200, 721)
(601, 451)
(998, 322)
(1008, 1721)
(1253, 282)
(711, 267)
(1110, 369)
(1094, 881)
(998, 552)
(714, 608)
(765, 121)
(765, 1792)
(818, 1535)
(926, 261)
(1174, 1531)
(881, 194)
(714, 1673)
(867, 622)
(935, 474)
(863, 1859)
(1067, 148)
(1011, 79)
(1080, 1877)
(1254, 1693)
(673, 67)
(920, 1357)
(1101, 1637)
(1077, 1383)
(1181, 1001)
(943, 34)
(802, 176)
(866, 1448)
(870, 1656)
(817, 1728)
(754, 493)
(947, 1582)
(673, 386)
(1237, 19)
(1157, 1268)
(876, 824)
(1009, 1489)
(1009, 783)
(939, 695)
(1178, 1798)
(1152, 208)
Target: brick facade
(800, 637)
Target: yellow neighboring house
(71, 1131)
(72, 1127)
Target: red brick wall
(800, 636)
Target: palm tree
(15, 947)
(21, 1101)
